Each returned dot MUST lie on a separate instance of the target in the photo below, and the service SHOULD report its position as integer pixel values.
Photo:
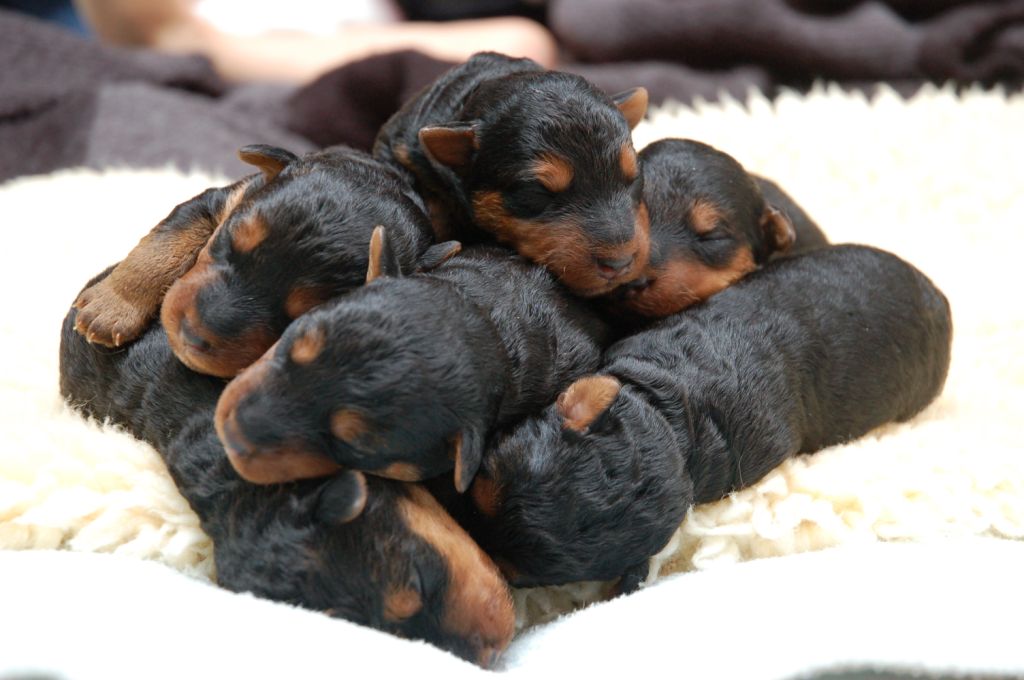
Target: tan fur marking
(586, 399)
(554, 172)
(478, 600)
(349, 425)
(684, 282)
(265, 466)
(704, 216)
(456, 455)
(635, 108)
(486, 495)
(401, 604)
(374, 269)
(301, 299)
(117, 309)
(564, 248)
(308, 347)
(628, 161)
(401, 152)
(226, 356)
(232, 201)
(406, 472)
(248, 233)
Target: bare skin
(283, 56)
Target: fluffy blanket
(933, 179)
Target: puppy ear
(778, 229)
(383, 260)
(343, 498)
(586, 399)
(438, 254)
(633, 104)
(468, 450)
(271, 160)
(453, 145)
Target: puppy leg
(116, 309)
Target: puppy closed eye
(527, 198)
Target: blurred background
(147, 82)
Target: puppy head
(585, 491)
(376, 552)
(376, 381)
(548, 165)
(292, 239)
(710, 226)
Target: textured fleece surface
(935, 179)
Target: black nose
(609, 268)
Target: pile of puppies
(517, 253)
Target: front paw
(106, 318)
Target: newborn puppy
(711, 224)
(811, 351)
(241, 262)
(405, 377)
(540, 160)
(373, 551)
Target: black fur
(689, 262)
(478, 343)
(811, 351)
(312, 217)
(519, 112)
(283, 542)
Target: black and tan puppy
(811, 351)
(541, 160)
(711, 223)
(405, 377)
(238, 263)
(374, 551)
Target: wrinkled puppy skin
(539, 160)
(373, 551)
(811, 351)
(711, 224)
(405, 377)
(229, 269)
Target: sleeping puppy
(239, 263)
(711, 223)
(811, 351)
(405, 377)
(370, 550)
(539, 160)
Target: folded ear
(778, 229)
(468, 451)
(633, 104)
(586, 399)
(438, 254)
(453, 145)
(271, 160)
(383, 260)
(343, 498)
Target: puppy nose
(189, 337)
(610, 268)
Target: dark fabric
(66, 101)
(350, 104)
(797, 42)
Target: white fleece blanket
(936, 180)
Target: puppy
(711, 224)
(373, 551)
(405, 377)
(811, 351)
(540, 160)
(239, 263)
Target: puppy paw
(106, 318)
